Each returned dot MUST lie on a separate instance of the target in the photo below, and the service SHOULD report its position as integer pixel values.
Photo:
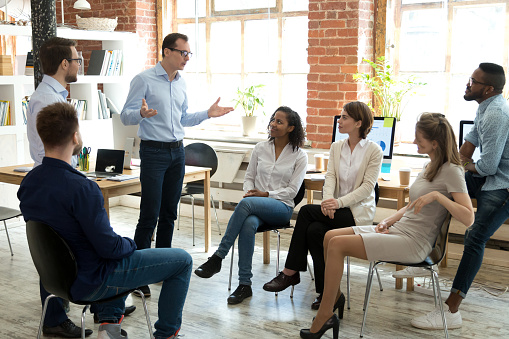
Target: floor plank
(207, 315)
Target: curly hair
(297, 135)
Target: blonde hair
(435, 127)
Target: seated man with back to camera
(58, 195)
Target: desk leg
(399, 281)
(266, 247)
(106, 197)
(206, 212)
(309, 196)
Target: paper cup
(319, 162)
(404, 176)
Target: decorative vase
(248, 125)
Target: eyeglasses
(472, 81)
(182, 53)
(79, 60)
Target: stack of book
(5, 65)
(24, 108)
(105, 62)
(102, 111)
(5, 113)
(80, 106)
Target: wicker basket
(97, 24)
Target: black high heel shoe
(333, 323)
(340, 306)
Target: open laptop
(465, 127)
(109, 163)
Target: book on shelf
(29, 66)
(105, 62)
(112, 107)
(103, 110)
(6, 65)
(5, 113)
(24, 108)
(80, 106)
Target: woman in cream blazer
(348, 198)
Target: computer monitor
(126, 138)
(465, 127)
(382, 133)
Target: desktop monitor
(382, 133)
(126, 138)
(465, 127)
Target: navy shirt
(56, 194)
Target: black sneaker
(210, 267)
(144, 289)
(242, 292)
(67, 329)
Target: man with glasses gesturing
(487, 181)
(157, 101)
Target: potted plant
(388, 89)
(249, 99)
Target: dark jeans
(492, 211)
(55, 313)
(161, 177)
(308, 235)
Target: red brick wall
(340, 35)
(137, 16)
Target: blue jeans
(162, 174)
(250, 213)
(492, 211)
(172, 266)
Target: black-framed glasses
(79, 60)
(182, 53)
(472, 81)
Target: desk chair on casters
(275, 228)
(202, 155)
(6, 214)
(57, 268)
(434, 258)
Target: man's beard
(78, 148)
(70, 78)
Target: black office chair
(275, 228)
(57, 268)
(434, 258)
(6, 214)
(202, 155)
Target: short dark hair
(171, 39)
(494, 75)
(297, 135)
(53, 51)
(56, 124)
(360, 111)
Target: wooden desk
(388, 189)
(112, 189)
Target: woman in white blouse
(348, 198)
(273, 178)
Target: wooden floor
(207, 315)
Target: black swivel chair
(57, 268)
(202, 155)
(275, 228)
(434, 258)
(5, 214)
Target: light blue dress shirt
(48, 92)
(169, 98)
(491, 134)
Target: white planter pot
(248, 126)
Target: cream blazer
(361, 200)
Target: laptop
(109, 163)
(465, 127)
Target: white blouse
(281, 178)
(349, 164)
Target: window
(239, 43)
(443, 42)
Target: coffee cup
(325, 162)
(404, 176)
(319, 162)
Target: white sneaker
(433, 320)
(413, 272)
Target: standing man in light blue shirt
(487, 181)
(157, 101)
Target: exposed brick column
(340, 35)
(137, 16)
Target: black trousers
(308, 235)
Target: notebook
(109, 163)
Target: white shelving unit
(96, 132)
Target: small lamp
(80, 4)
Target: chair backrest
(202, 155)
(53, 259)
(377, 193)
(438, 251)
(300, 194)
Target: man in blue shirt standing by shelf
(157, 101)
(60, 196)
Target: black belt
(160, 144)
